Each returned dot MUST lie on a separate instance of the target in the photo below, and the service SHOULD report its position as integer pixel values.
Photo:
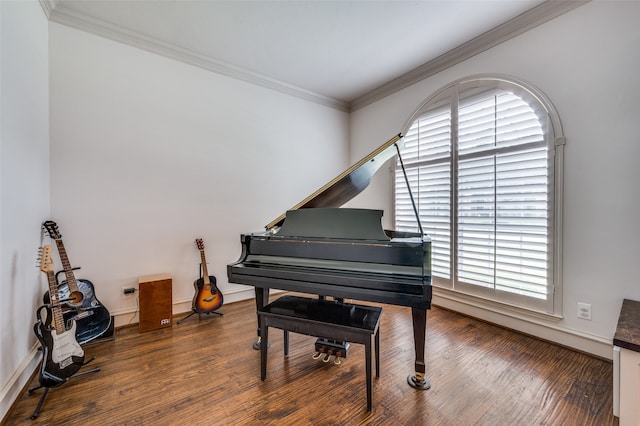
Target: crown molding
(48, 6)
(534, 17)
(61, 15)
(538, 15)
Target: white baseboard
(11, 390)
(130, 316)
(546, 330)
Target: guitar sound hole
(76, 298)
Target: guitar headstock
(52, 229)
(200, 243)
(46, 261)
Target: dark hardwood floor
(204, 372)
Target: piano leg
(418, 379)
(262, 299)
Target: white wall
(24, 186)
(149, 153)
(587, 63)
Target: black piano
(318, 248)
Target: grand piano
(317, 247)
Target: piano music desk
(320, 318)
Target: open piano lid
(349, 183)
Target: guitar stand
(36, 412)
(200, 315)
(61, 271)
(193, 311)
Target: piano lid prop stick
(406, 179)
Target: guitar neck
(58, 319)
(66, 265)
(205, 273)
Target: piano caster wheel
(257, 344)
(418, 384)
(317, 355)
(337, 361)
(326, 358)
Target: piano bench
(325, 319)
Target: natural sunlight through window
(482, 156)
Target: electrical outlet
(128, 291)
(584, 311)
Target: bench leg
(377, 352)
(263, 349)
(286, 342)
(367, 351)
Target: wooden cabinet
(629, 387)
(627, 338)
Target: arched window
(484, 160)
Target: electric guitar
(207, 298)
(81, 304)
(62, 355)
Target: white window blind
(480, 169)
(427, 156)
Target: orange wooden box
(156, 301)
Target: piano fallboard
(403, 291)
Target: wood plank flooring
(204, 372)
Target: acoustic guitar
(207, 297)
(78, 296)
(62, 355)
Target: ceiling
(334, 52)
